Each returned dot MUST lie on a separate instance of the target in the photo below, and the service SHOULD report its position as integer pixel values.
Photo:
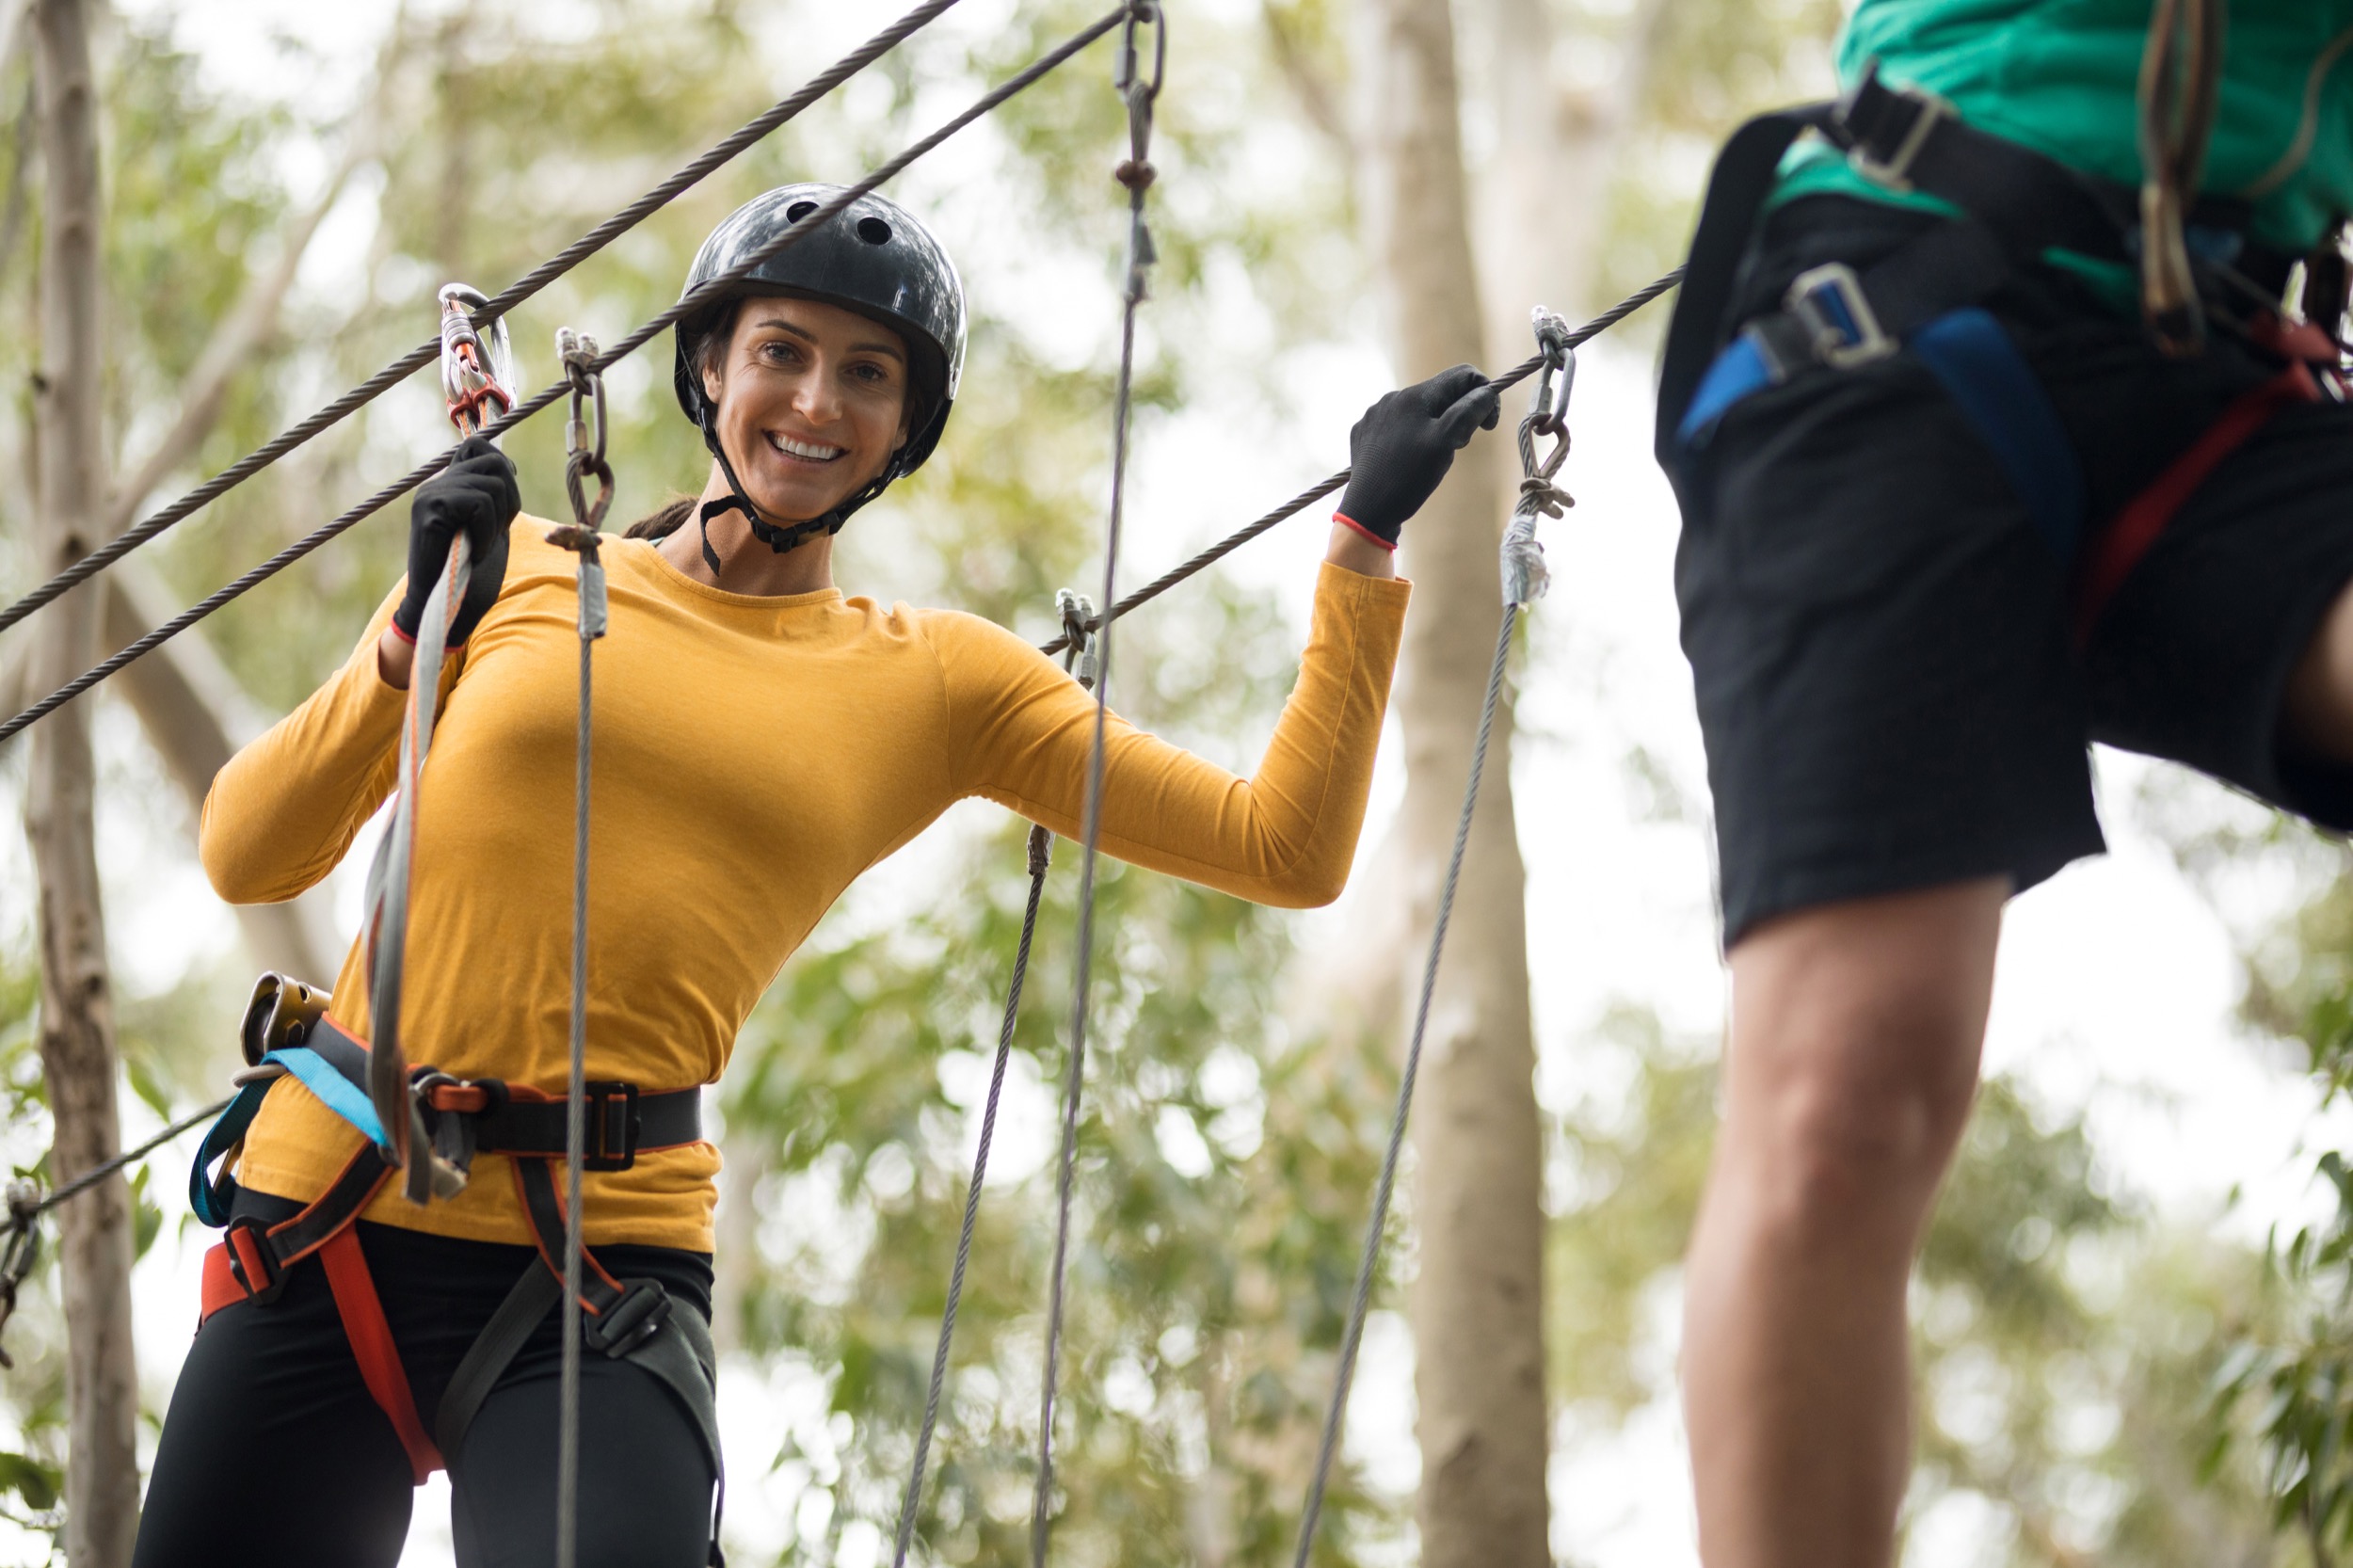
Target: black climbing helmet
(872, 257)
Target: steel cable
(1308, 497)
(694, 301)
(1137, 175)
(515, 294)
(1041, 852)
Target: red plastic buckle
(249, 1260)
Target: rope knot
(1137, 174)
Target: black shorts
(1888, 676)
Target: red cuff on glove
(1389, 545)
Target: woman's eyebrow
(876, 346)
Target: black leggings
(274, 1454)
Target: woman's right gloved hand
(476, 496)
(1405, 443)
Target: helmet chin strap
(780, 539)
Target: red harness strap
(2145, 517)
(372, 1347)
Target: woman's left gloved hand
(1405, 443)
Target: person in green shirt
(2004, 404)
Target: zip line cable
(707, 294)
(1308, 497)
(1137, 174)
(515, 294)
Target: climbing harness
(1141, 91)
(1521, 563)
(1925, 298)
(475, 375)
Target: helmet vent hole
(798, 211)
(874, 230)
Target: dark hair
(663, 520)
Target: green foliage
(2065, 1342)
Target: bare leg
(2318, 716)
(1853, 1058)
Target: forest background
(2130, 1308)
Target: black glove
(1406, 442)
(476, 495)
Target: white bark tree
(77, 1026)
(1477, 1303)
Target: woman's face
(813, 402)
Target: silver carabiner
(475, 370)
(1547, 412)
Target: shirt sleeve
(1021, 731)
(285, 809)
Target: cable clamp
(1081, 630)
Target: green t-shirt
(2061, 75)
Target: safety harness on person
(1925, 298)
(286, 1032)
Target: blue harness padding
(1980, 369)
(211, 1196)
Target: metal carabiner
(578, 354)
(476, 372)
(1143, 13)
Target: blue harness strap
(211, 1195)
(1980, 369)
(1990, 381)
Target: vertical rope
(1041, 854)
(575, 1134)
(1136, 173)
(583, 460)
(1361, 1303)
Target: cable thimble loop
(477, 372)
(583, 458)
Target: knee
(1837, 1153)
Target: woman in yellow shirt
(760, 739)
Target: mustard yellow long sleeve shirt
(751, 757)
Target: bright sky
(2115, 980)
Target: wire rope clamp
(1080, 627)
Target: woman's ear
(712, 384)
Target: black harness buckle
(251, 1262)
(613, 1127)
(1881, 151)
(635, 1316)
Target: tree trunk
(77, 1043)
(1477, 1306)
